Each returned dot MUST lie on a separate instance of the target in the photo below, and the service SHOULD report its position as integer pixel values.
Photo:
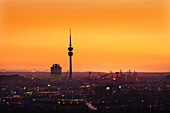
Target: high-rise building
(121, 72)
(56, 72)
(130, 73)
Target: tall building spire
(70, 37)
(70, 53)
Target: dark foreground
(106, 93)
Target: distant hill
(75, 74)
(15, 76)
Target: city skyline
(106, 35)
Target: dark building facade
(56, 72)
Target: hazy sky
(107, 34)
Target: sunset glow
(106, 35)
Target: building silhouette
(70, 53)
(55, 72)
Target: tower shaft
(70, 53)
(70, 78)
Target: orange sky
(107, 34)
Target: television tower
(70, 53)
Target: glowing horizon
(106, 35)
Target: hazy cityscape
(84, 56)
(85, 92)
(126, 92)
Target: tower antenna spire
(70, 37)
